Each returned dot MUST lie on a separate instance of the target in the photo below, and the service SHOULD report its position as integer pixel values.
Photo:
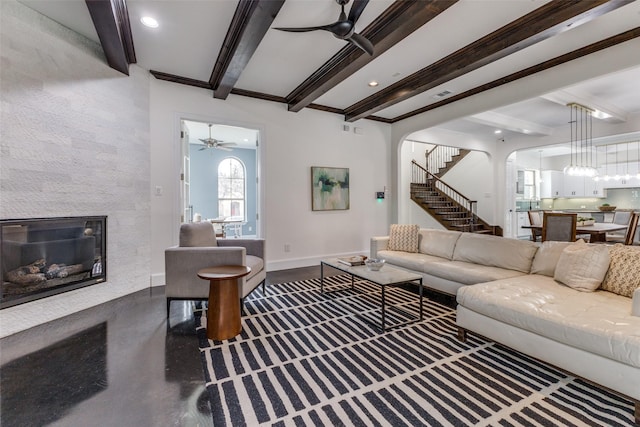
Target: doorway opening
(219, 177)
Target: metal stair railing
(439, 156)
(420, 175)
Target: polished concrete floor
(117, 364)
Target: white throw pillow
(582, 266)
(547, 257)
(403, 237)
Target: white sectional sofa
(505, 290)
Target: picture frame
(329, 188)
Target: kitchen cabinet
(622, 170)
(573, 186)
(556, 184)
(523, 219)
(552, 184)
(594, 188)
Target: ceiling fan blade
(362, 43)
(220, 147)
(204, 141)
(305, 29)
(356, 9)
(223, 144)
(203, 148)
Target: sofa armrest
(635, 303)
(379, 243)
(253, 247)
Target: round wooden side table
(223, 314)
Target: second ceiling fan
(344, 27)
(216, 143)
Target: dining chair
(560, 227)
(630, 233)
(621, 218)
(535, 218)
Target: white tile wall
(74, 140)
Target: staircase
(440, 159)
(450, 208)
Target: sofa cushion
(197, 234)
(440, 243)
(623, 276)
(547, 257)
(403, 237)
(599, 322)
(582, 266)
(495, 251)
(411, 261)
(467, 273)
(635, 303)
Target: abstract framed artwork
(329, 188)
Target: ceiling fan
(343, 28)
(216, 143)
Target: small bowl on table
(374, 264)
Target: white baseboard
(158, 279)
(286, 264)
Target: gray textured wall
(74, 141)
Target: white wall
(74, 142)
(290, 144)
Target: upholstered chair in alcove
(198, 248)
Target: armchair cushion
(197, 234)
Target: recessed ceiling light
(373, 83)
(148, 21)
(246, 140)
(600, 114)
(497, 131)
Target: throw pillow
(403, 237)
(582, 266)
(624, 271)
(547, 257)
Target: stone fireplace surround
(41, 257)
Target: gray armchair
(198, 248)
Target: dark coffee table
(387, 276)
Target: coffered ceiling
(426, 53)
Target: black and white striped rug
(304, 359)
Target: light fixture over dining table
(581, 124)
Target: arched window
(231, 189)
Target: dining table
(597, 232)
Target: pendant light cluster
(633, 146)
(581, 123)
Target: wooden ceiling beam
(397, 22)
(558, 60)
(111, 20)
(180, 79)
(547, 21)
(250, 23)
